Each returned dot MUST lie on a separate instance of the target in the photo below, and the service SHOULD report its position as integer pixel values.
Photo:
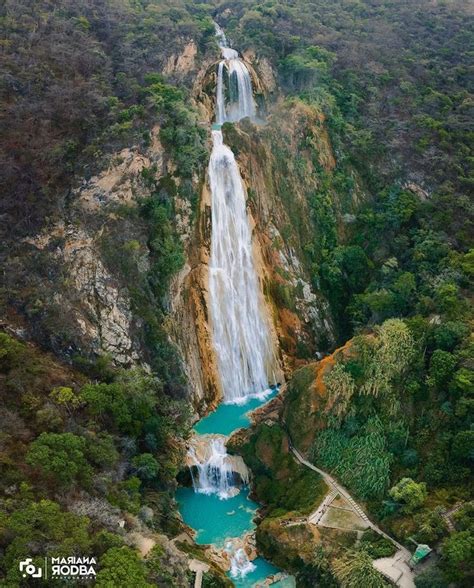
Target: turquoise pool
(230, 417)
(216, 520)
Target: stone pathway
(395, 568)
(448, 514)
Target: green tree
(121, 567)
(100, 450)
(463, 446)
(129, 402)
(390, 356)
(65, 396)
(410, 493)
(42, 528)
(146, 466)
(61, 457)
(457, 552)
(431, 578)
(442, 366)
(340, 386)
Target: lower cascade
(240, 565)
(213, 470)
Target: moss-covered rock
(279, 482)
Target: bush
(61, 458)
(122, 567)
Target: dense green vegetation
(76, 87)
(75, 454)
(397, 109)
(279, 483)
(395, 414)
(392, 240)
(388, 241)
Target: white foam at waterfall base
(240, 333)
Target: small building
(422, 551)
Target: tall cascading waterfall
(240, 330)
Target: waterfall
(241, 102)
(240, 565)
(240, 334)
(221, 38)
(213, 470)
(220, 101)
(215, 475)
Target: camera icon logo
(29, 569)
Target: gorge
(242, 341)
(236, 292)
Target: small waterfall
(216, 470)
(240, 565)
(241, 102)
(220, 101)
(221, 38)
(240, 333)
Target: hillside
(357, 175)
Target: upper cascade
(240, 102)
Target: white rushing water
(232, 69)
(214, 474)
(240, 565)
(240, 333)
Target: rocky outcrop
(189, 323)
(94, 301)
(103, 310)
(121, 182)
(287, 545)
(182, 63)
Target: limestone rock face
(281, 218)
(189, 321)
(119, 182)
(184, 62)
(86, 298)
(107, 318)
